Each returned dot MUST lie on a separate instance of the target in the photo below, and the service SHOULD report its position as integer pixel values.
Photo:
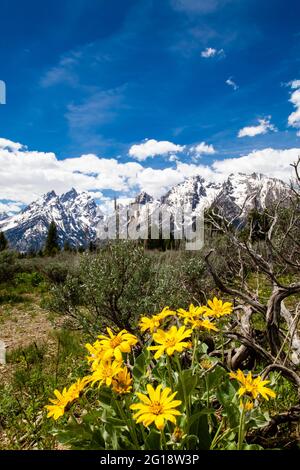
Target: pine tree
(51, 245)
(92, 247)
(3, 242)
(67, 246)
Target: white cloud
(25, 175)
(9, 144)
(271, 162)
(204, 148)
(262, 128)
(173, 158)
(208, 52)
(294, 84)
(294, 118)
(152, 147)
(232, 83)
(211, 52)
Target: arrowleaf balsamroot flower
(105, 372)
(96, 351)
(114, 345)
(170, 341)
(156, 407)
(193, 313)
(59, 403)
(122, 382)
(75, 389)
(216, 308)
(203, 325)
(67, 396)
(154, 322)
(252, 387)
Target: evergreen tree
(92, 247)
(67, 246)
(51, 245)
(3, 242)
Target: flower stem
(132, 423)
(241, 434)
(222, 339)
(186, 398)
(163, 440)
(129, 425)
(207, 390)
(170, 374)
(194, 350)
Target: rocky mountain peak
(79, 219)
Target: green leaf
(252, 447)
(215, 377)
(187, 383)
(152, 442)
(140, 365)
(190, 442)
(226, 395)
(105, 396)
(200, 428)
(196, 416)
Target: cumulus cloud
(211, 52)
(264, 125)
(9, 144)
(152, 148)
(25, 174)
(232, 83)
(271, 162)
(203, 148)
(294, 118)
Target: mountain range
(79, 220)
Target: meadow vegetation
(126, 347)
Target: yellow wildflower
(203, 324)
(154, 322)
(170, 341)
(122, 382)
(114, 345)
(105, 372)
(156, 407)
(96, 351)
(193, 313)
(59, 404)
(75, 389)
(216, 308)
(252, 387)
(247, 405)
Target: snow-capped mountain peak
(79, 219)
(74, 213)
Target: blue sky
(98, 77)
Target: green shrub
(9, 265)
